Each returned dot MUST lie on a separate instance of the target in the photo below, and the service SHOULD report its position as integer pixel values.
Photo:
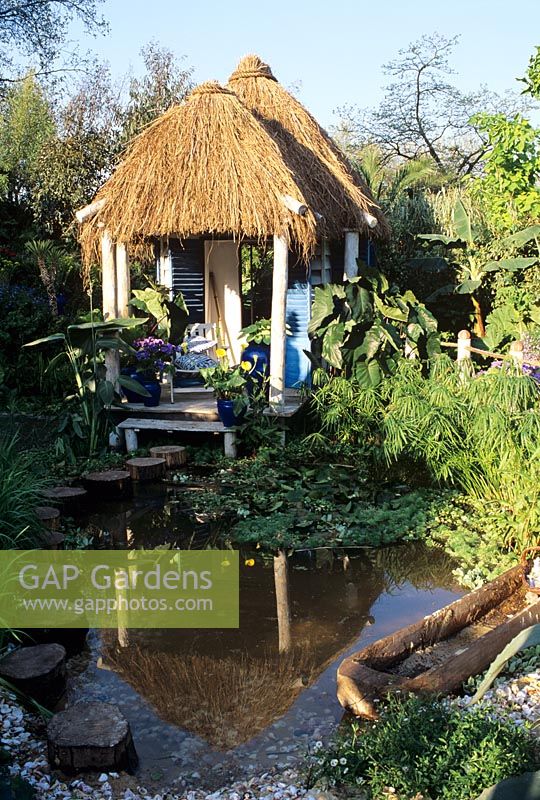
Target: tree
(164, 84)
(510, 179)
(37, 29)
(26, 125)
(423, 113)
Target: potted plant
(152, 358)
(229, 385)
(257, 353)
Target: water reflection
(228, 696)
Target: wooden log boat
(438, 653)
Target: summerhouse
(233, 166)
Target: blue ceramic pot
(153, 387)
(132, 397)
(258, 356)
(226, 413)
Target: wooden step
(132, 425)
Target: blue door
(297, 364)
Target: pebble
(516, 697)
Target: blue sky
(333, 50)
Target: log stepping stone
(48, 516)
(174, 455)
(69, 497)
(53, 540)
(90, 736)
(111, 484)
(39, 671)
(146, 469)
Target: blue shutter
(187, 266)
(298, 312)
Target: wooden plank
(186, 426)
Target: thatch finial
(252, 67)
(209, 87)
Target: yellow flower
(249, 562)
(246, 366)
(184, 347)
(220, 352)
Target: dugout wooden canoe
(438, 653)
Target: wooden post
(229, 443)
(463, 344)
(281, 580)
(352, 250)
(123, 281)
(516, 353)
(110, 302)
(277, 329)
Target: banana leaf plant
(86, 423)
(362, 328)
(476, 266)
(171, 316)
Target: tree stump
(69, 497)
(49, 516)
(39, 671)
(146, 469)
(90, 736)
(174, 455)
(53, 540)
(112, 484)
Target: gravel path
(23, 734)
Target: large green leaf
(439, 238)
(462, 223)
(54, 337)
(468, 287)
(332, 343)
(511, 264)
(522, 237)
(530, 637)
(359, 300)
(425, 318)
(323, 306)
(368, 374)
(133, 385)
(105, 392)
(392, 312)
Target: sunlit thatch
(328, 182)
(206, 166)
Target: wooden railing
(464, 350)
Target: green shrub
(21, 490)
(426, 747)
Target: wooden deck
(197, 404)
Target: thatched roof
(329, 183)
(207, 166)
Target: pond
(213, 705)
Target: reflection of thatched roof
(225, 700)
(328, 182)
(207, 166)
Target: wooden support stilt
(516, 352)
(123, 281)
(278, 322)
(110, 300)
(281, 579)
(352, 250)
(463, 345)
